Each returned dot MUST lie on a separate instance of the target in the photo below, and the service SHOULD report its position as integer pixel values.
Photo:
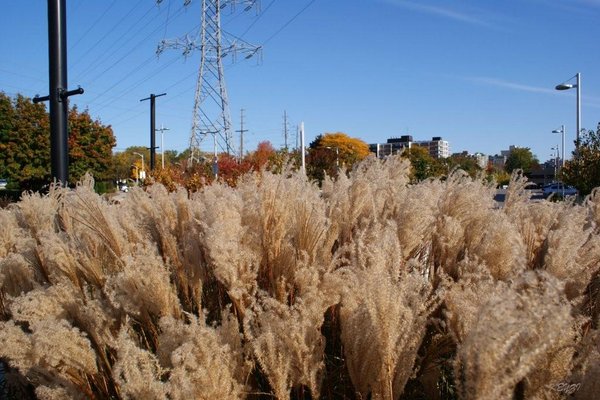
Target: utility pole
(58, 93)
(285, 129)
(162, 144)
(241, 131)
(152, 99)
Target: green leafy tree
(90, 147)
(520, 158)
(423, 165)
(461, 161)
(25, 143)
(126, 164)
(583, 170)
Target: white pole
(578, 112)
(302, 147)
(562, 163)
(216, 158)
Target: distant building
(482, 160)
(437, 147)
(498, 161)
(392, 146)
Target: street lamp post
(162, 145)
(567, 86)
(562, 150)
(555, 155)
(143, 167)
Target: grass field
(366, 287)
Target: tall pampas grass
(368, 287)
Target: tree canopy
(25, 143)
(90, 146)
(583, 170)
(520, 158)
(423, 164)
(331, 152)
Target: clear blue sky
(481, 74)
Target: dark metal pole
(152, 99)
(57, 56)
(152, 131)
(58, 94)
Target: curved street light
(577, 85)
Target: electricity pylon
(211, 105)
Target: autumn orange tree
(332, 152)
(90, 147)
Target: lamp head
(565, 86)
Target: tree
(25, 143)
(461, 161)
(583, 170)
(331, 152)
(126, 164)
(90, 146)
(423, 165)
(262, 155)
(520, 158)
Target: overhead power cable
(106, 58)
(107, 34)
(288, 22)
(257, 18)
(93, 25)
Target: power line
(288, 22)
(105, 58)
(128, 89)
(111, 30)
(93, 25)
(257, 18)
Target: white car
(559, 189)
(3, 183)
(124, 188)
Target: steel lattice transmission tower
(211, 105)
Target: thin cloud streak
(439, 11)
(511, 85)
(588, 101)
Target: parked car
(3, 183)
(124, 188)
(559, 189)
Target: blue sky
(481, 74)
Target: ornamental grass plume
(372, 286)
(466, 213)
(393, 305)
(203, 362)
(519, 329)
